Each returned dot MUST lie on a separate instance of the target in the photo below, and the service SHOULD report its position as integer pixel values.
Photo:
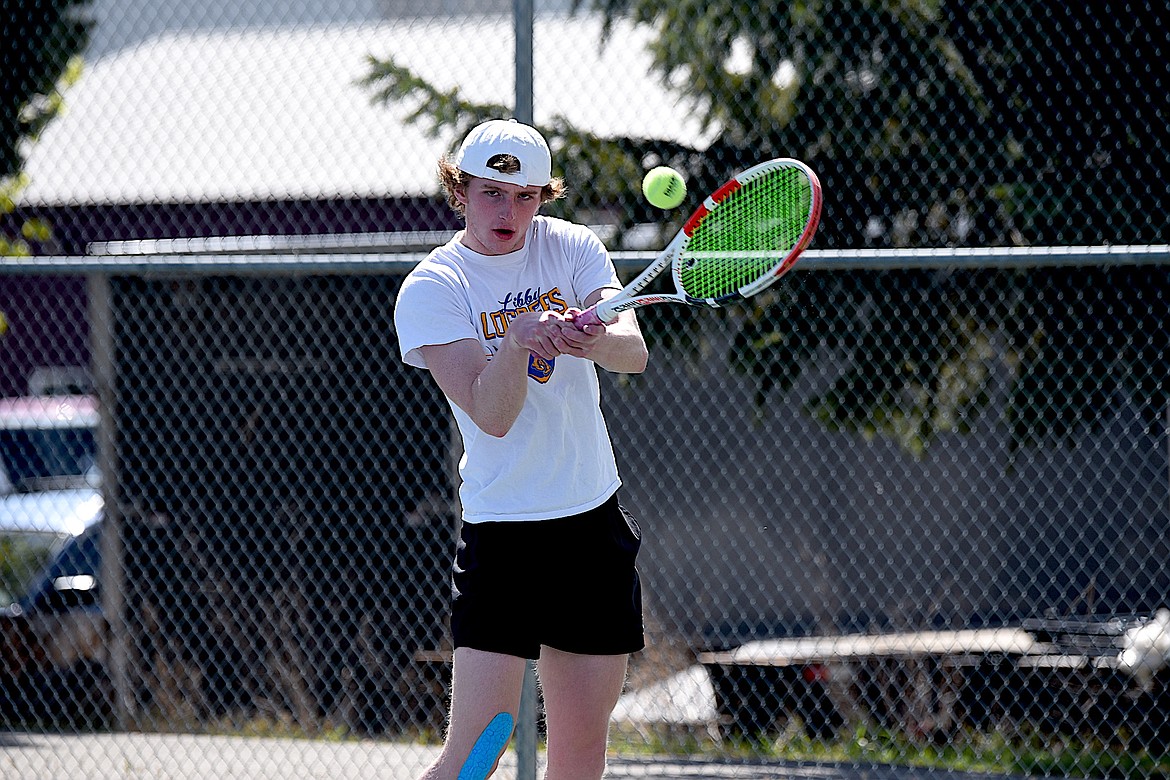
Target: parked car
(52, 633)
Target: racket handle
(591, 317)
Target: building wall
(124, 23)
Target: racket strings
(748, 235)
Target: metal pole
(526, 725)
(522, 17)
(112, 574)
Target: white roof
(278, 113)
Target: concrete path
(26, 756)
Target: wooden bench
(434, 657)
(425, 683)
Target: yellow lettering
(553, 300)
(494, 324)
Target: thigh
(483, 684)
(580, 692)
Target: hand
(580, 340)
(544, 334)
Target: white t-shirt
(557, 459)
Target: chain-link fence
(910, 507)
(920, 503)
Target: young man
(545, 565)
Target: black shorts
(570, 583)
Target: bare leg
(580, 692)
(482, 685)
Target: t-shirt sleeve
(593, 268)
(429, 310)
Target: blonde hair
(452, 178)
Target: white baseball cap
(506, 136)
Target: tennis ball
(664, 187)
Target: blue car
(53, 636)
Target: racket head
(748, 233)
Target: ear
(460, 193)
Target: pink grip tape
(588, 317)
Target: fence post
(526, 727)
(112, 574)
(522, 17)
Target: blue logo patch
(539, 368)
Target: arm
(492, 392)
(617, 347)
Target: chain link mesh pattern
(894, 512)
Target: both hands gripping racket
(744, 237)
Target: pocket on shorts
(629, 533)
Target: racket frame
(630, 298)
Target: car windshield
(48, 483)
(47, 443)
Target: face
(497, 215)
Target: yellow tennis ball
(664, 187)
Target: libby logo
(521, 301)
(494, 324)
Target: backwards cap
(500, 136)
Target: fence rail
(383, 254)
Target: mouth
(503, 234)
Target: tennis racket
(744, 236)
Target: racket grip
(591, 317)
(587, 317)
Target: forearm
(491, 392)
(497, 393)
(622, 349)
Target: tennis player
(545, 564)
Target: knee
(580, 759)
